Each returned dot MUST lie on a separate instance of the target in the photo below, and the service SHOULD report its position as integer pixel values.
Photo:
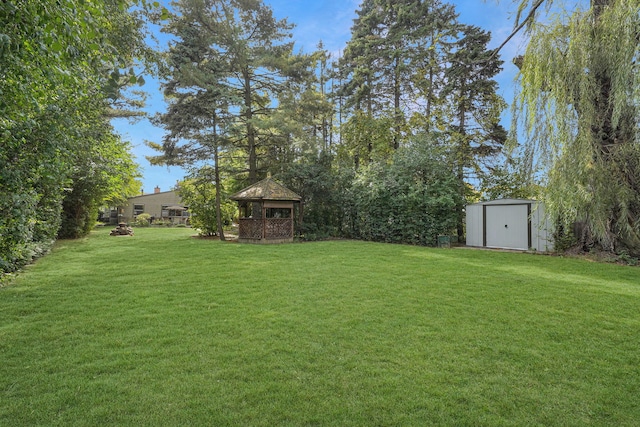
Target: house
(509, 224)
(161, 205)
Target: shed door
(507, 226)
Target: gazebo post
(264, 220)
(292, 219)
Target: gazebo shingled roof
(267, 189)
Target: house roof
(151, 195)
(267, 189)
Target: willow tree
(579, 102)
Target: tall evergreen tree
(475, 107)
(414, 59)
(242, 44)
(438, 31)
(394, 64)
(199, 98)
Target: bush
(311, 232)
(625, 258)
(412, 200)
(142, 220)
(564, 239)
(323, 190)
(199, 193)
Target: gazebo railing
(249, 228)
(267, 228)
(278, 228)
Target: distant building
(161, 205)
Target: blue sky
(329, 21)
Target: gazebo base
(268, 230)
(265, 241)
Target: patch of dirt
(598, 255)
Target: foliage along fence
(413, 200)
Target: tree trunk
(429, 100)
(396, 105)
(216, 172)
(251, 132)
(462, 155)
(603, 132)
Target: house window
(138, 209)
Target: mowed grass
(165, 329)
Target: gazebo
(266, 212)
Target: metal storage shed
(509, 224)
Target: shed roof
(267, 189)
(505, 202)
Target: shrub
(142, 220)
(564, 239)
(412, 200)
(625, 258)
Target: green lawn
(165, 329)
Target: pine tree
(475, 131)
(198, 99)
(242, 46)
(394, 67)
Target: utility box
(518, 224)
(444, 241)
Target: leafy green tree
(511, 179)
(366, 139)
(57, 59)
(103, 173)
(198, 192)
(323, 189)
(579, 104)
